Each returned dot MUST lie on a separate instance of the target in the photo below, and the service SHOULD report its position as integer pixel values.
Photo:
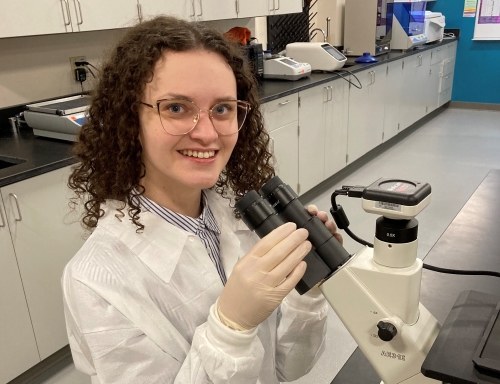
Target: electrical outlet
(73, 60)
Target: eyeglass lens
(180, 116)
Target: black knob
(386, 331)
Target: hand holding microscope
(375, 292)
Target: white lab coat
(140, 308)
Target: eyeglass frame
(209, 112)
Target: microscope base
(361, 303)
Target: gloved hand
(263, 277)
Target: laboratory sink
(6, 162)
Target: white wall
(35, 68)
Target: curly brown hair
(108, 145)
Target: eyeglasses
(179, 116)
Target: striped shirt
(205, 227)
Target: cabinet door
(376, 105)
(27, 17)
(215, 9)
(180, 8)
(18, 351)
(38, 217)
(336, 128)
(93, 15)
(433, 89)
(285, 147)
(359, 116)
(409, 96)
(281, 7)
(252, 8)
(312, 119)
(392, 99)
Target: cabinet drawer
(280, 112)
(448, 66)
(451, 51)
(437, 55)
(446, 82)
(444, 96)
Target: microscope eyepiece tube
(286, 203)
(261, 217)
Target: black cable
(357, 239)
(460, 271)
(81, 83)
(92, 73)
(97, 69)
(342, 223)
(349, 81)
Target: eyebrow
(184, 97)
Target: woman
(171, 287)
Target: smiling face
(179, 167)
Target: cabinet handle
(237, 7)
(374, 77)
(272, 144)
(81, 14)
(17, 204)
(331, 93)
(447, 77)
(439, 49)
(201, 8)
(325, 89)
(1, 217)
(284, 103)
(278, 5)
(194, 11)
(139, 12)
(67, 13)
(273, 8)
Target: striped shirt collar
(190, 224)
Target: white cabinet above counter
(43, 17)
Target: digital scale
(58, 119)
(286, 69)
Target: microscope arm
(375, 302)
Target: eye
(223, 109)
(175, 108)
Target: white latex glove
(263, 277)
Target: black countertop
(44, 155)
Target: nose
(204, 130)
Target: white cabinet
(313, 115)
(366, 113)
(336, 128)
(285, 148)
(414, 88)
(281, 121)
(394, 74)
(252, 8)
(27, 17)
(185, 9)
(38, 216)
(93, 15)
(18, 350)
(206, 10)
(447, 73)
(281, 7)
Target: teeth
(198, 154)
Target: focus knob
(386, 331)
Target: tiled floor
(453, 152)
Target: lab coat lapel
(230, 250)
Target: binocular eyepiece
(278, 204)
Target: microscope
(375, 292)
